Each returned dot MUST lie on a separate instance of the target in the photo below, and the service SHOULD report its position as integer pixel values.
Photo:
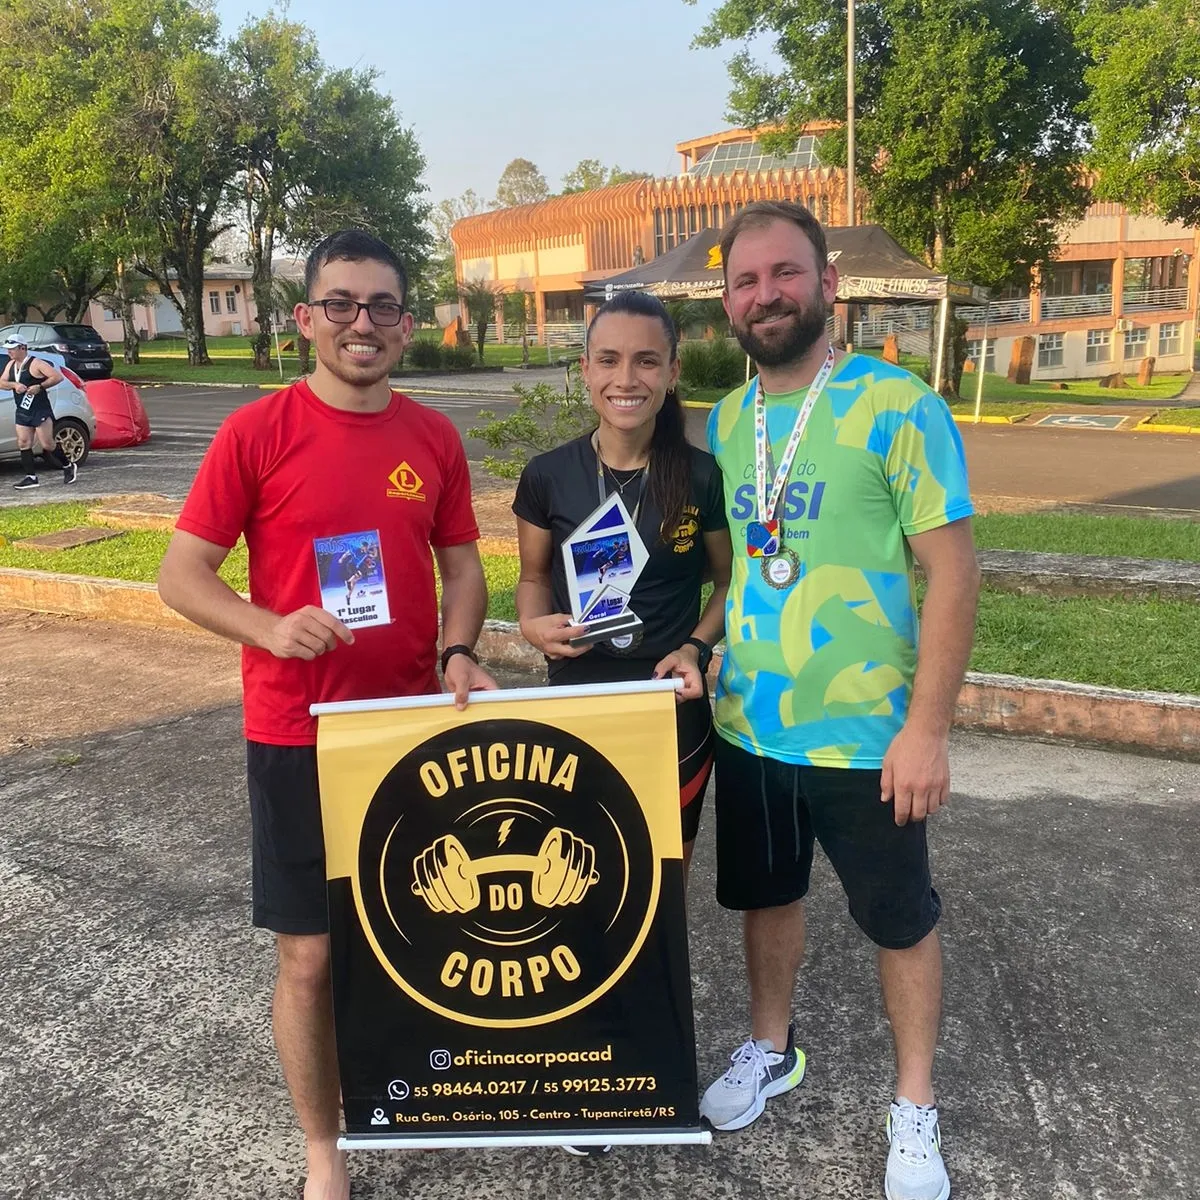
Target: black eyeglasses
(383, 313)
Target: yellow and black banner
(506, 903)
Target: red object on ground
(120, 418)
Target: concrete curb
(1158, 722)
(1146, 427)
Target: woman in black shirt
(673, 492)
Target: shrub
(424, 353)
(544, 418)
(458, 358)
(716, 363)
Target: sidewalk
(135, 1035)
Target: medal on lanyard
(764, 537)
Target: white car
(74, 420)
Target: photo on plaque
(605, 551)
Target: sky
(482, 82)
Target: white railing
(565, 333)
(879, 322)
(1076, 306)
(1001, 312)
(1145, 299)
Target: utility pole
(850, 219)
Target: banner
(507, 924)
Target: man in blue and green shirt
(833, 716)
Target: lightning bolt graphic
(505, 828)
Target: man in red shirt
(335, 470)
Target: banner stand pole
(665, 1137)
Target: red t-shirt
(338, 509)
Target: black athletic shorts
(769, 813)
(38, 412)
(288, 843)
(693, 725)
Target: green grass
(165, 361)
(1120, 643)
(1132, 537)
(1178, 416)
(1140, 644)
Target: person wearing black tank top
(673, 492)
(29, 379)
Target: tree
(446, 212)
(521, 183)
(544, 419)
(286, 293)
(479, 298)
(589, 173)
(968, 135)
(318, 149)
(516, 319)
(1144, 102)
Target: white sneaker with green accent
(758, 1072)
(915, 1170)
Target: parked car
(74, 420)
(120, 417)
(81, 346)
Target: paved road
(1126, 470)
(134, 1034)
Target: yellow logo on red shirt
(406, 483)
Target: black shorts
(288, 843)
(36, 414)
(769, 813)
(693, 725)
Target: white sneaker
(915, 1170)
(759, 1072)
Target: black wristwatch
(703, 649)
(451, 651)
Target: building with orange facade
(1124, 286)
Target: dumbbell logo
(562, 870)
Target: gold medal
(782, 569)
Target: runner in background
(336, 460)
(29, 379)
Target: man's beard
(789, 340)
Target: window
(681, 224)
(1099, 346)
(716, 216)
(973, 345)
(110, 315)
(1170, 338)
(1136, 342)
(728, 210)
(750, 156)
(693, 227)
(660, 241)
(670, 236)
(231, 301)
(1050, 350)
(704, 216)
(214, 302)
(823, 205)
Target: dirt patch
(77, 676)
(493, 511)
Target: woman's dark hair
(670, 454)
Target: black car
(81, 346)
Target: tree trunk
(303, 347)
(125, 311)
(524, 348)
(481, 331)
(191, 290)
(262, 249)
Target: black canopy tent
(872, 268)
